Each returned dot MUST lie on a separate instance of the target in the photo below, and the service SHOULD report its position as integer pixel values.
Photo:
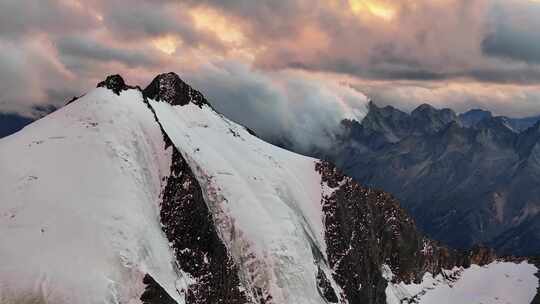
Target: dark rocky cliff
(367, 228)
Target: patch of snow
(496, 283)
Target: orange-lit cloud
(208, 19)
(167, 44)
(432, 43)
(376, 8)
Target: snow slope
(267, 201)
(496, 283)
(79, 219)
(80, 198)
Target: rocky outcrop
(171, 89)
(427, 119)
(114, 83)
(325, 287)
(366, 229)
(472, 117)
(189, 226)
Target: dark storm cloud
(80, 49)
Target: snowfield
(79, 219)
(80, 198)
(496, 283)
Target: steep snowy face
(79, 212)
(266, 202)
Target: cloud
(335, 38)
(143, 19)
(502, 99)
(264, 62)
(28, 70)
(78, 48)
(396, 40)
(515, 32)
(25, 17)
(285, 105)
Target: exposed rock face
(173, 90)
(463, 185)
(325, 287)
(114, 83)
(366, 228)
(190, 228)
(427, 119)
(474, 116)
(73, 99)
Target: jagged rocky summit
(150, 196)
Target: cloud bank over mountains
(300, 64)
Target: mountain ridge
(448, 171)
(181, 218)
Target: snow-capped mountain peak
(150, 196)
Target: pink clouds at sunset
(455, 53)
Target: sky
(302, 65)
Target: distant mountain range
(467, 179)
(472, 117)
